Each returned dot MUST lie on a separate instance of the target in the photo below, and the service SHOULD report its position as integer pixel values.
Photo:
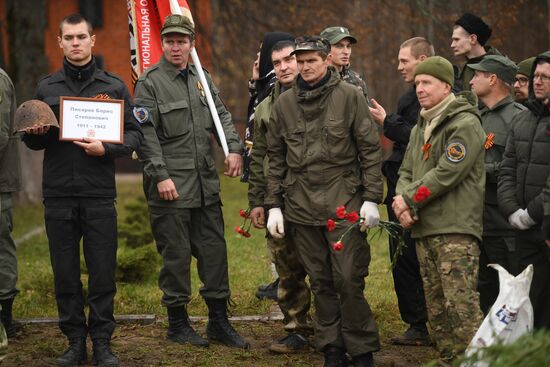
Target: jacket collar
(173, 71)
(320, 90)
(92, 72)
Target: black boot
(219, 328)
(179, 329)
(268, 291)
(11, 327)
(335, 357)
(363, 360)
(103, 356)
(75, 354)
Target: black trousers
(531, 249)
(406, 273)
(68, 220)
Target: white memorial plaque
(101, 119)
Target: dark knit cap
(475, 25)
(438, 67)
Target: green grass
(248, 267)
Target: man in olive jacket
(440, 197)
(323, 150)
(10, 181)
(182, 186)
(293, 296)
(524, 171)
(493, 78)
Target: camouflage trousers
(293, 294)
(449, 267)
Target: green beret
(525, 66)
(438, 67)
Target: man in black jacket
(523, 174)
(397, 127)
(79, 193)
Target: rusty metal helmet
(34, 112)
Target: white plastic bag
(511, 315)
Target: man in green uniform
(340, 55)
(493, 78)
(10, 181)
(293, 293)
(521, 82)
(323, 150)
(182, 186)
(469, 38)
(440, 198)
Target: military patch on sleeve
(455, 151)
(141, 114)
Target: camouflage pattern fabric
(449, 268)
(294, 296)
(350, 76)
(3, 343)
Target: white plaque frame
(101, 119)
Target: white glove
(526, 219)
(369, 211)
(275, 223)
(515, 219)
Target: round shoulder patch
(455, 151)
(141, 114)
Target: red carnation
(338, 246)
(421, 194)
(341, 212)
(331, 225)
(243, 213)
(239, 230)
(352, 217)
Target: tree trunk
(27, 22)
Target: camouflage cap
(311, 43)
(504, 68)
(176, 23)
(336, 34)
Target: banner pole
(175, 8)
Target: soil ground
(145, 345)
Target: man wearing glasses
(524, 171)
(521, 82)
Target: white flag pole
(175, 9)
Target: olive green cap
(336, 34)
(438, 67)
(504, 68)
(176, 23)
(525, 66)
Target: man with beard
(524, 172)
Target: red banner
(145, 18)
